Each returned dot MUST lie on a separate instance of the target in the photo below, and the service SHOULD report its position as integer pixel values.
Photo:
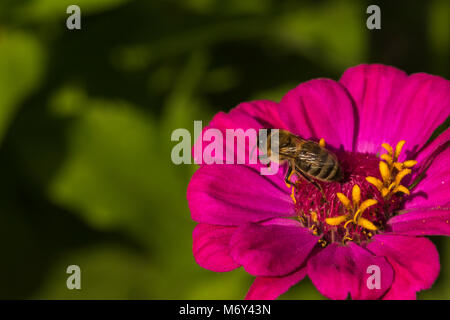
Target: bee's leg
(289, 173)
(288, 182)
(314, 183)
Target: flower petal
(422, 222)
(415, 262)
(433, 147)
(270, 288)
(235, 194)
(338, 271)
(271, 250)
(320, 108)
(419, 108)
(372, 87)
(211, 247)
(434, 188)
(392, 106)
(248, 115)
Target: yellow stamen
(356, 210)
(387, 158)
(385, 173)
(356, 195)
(366, 224)
(293, 195)
(348, 238)
(403, 189)
(401, 175)
(366, 204)
(391, 186)
(399, 166)
(322, 242)
(314, 216)
(346, 224)
(398, 148)
(337, 220)
(392, 171)
(322, 142)
(388, 149)
(409, 163)
(344, 201)
(376, 182)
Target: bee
(306, 158)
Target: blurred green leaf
(113, 168)
(51, 9)
(441, 288)
(106, 273)
(22, 62)
(439, 19)
(332, 33)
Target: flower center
(373, 187)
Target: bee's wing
(291, 148)
(289, 152)
(309, 157)
(315, 159)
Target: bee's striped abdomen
(318, 162)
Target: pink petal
(434, 189)
(270, 288)
(372, 88)
(235, 194)
(427, 209)
(428, 150)
(418, 109)
(248, 115)
(320, 108)
(338, 271)
(419, 222)
(211, 247)
(415, 262)
(271, 250)
(394, 107)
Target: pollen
(392, 171)
(322, 142)
(337, 220)
(314, 216)
(354, 209)
(357, 207)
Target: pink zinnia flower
(377, 215)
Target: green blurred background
(86, 117)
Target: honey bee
(305, 157)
